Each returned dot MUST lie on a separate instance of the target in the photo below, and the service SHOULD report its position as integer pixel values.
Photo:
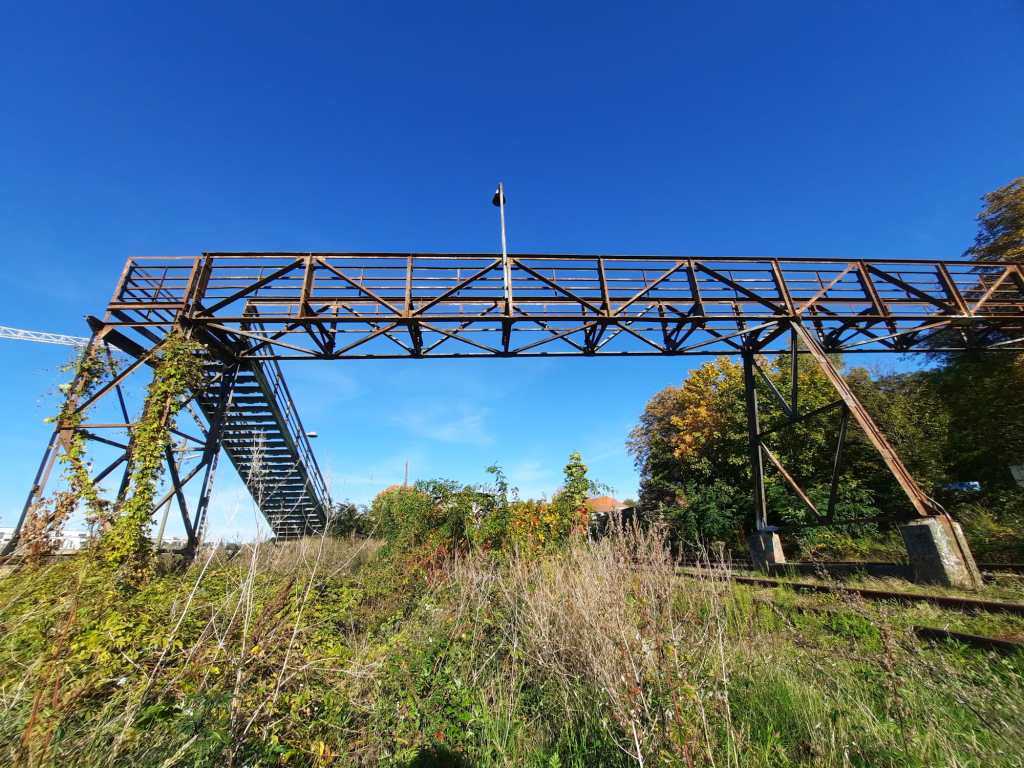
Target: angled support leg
(936, 545)
(211, 452)
(37, 490)
(923, 504)
(58, 442)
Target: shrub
(435, 512)
(994, 524)
(537, 524)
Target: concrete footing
(939, 554)
(766, 549)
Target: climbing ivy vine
(125, 544)
(45, 521)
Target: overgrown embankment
(326, 652)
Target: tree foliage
(450, 516)
(347, 519)
(690, 447)
(1001, 225)
(539, 524)
(125, 544)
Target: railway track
(984, 642)
(841, 568)
(1001, 644)
(956, 602)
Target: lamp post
(498, 200)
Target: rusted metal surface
(375, 305)
(946, 601)
(251, 310)
(359, 305)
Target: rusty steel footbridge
(251, 310)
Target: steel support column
(211, 453)
(754, 442)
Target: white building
(70, 541)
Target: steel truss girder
(376, 305)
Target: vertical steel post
(211, 453)
(506, 272)
(163, 525)
(837, 463)
(754, 440)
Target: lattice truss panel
(332, 305)
(105, 415)
(243, 410)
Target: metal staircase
(265, 441)
(252, 416)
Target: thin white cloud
(361, 483)
(534, 479)
(319, 389)
(447, 422)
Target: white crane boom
(46, 338)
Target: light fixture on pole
(498, 200)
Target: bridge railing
(297, 434)
(380, 305)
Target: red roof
(604, 504)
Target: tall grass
(330, 652)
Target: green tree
(915, 418)
(575, 488)
(985, 398)
(690, 447)
(1001, 225)
(986, 392)
(346, 519)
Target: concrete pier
(766, 549)
(939, 554)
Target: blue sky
(802, 128)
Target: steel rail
(956, 602)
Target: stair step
(259, 447)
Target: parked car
(971, 486)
